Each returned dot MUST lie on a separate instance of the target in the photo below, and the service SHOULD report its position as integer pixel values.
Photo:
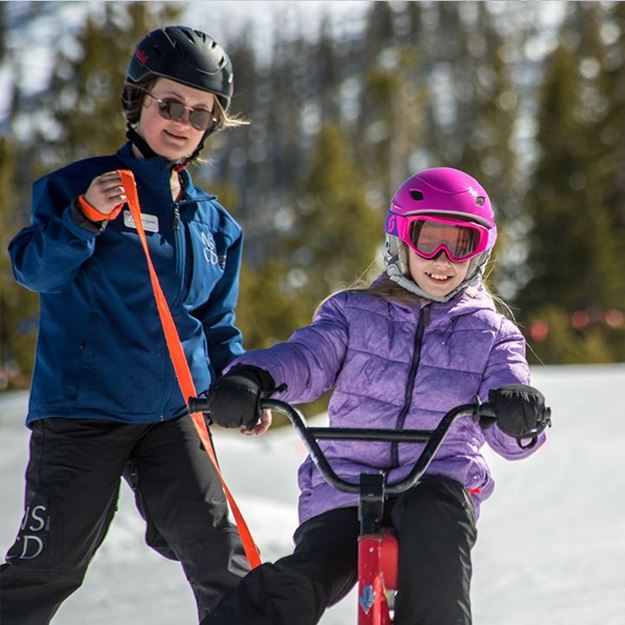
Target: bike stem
(371, 502)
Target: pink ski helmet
(449, 193)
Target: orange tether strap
(181, 365)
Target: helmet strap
(178, 167)
(141, 144)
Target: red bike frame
(378, 556)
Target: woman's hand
(264, 423)
(106, 193)
(234, 399)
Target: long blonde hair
(380, 285)
(225, 120)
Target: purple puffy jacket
(373, 350)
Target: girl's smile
(438, 276)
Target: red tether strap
(181, 366)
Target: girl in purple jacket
(423, 338)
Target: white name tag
(150, 222)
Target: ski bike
(378, 550)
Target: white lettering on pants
(29, 545)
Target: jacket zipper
(178, 229)
(412, 374)
(179, 252)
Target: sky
(551, 542)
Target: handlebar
(310, 435)
(372, 487)
(432, 438)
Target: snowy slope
(551, 549)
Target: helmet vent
(187, 33)
(479, 200)
(416, 195)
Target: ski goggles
(427, 236)
(174, 110)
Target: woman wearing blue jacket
(104, 400)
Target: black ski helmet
(184, 55)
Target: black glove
(234, 398)
(520, 411)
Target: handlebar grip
(486, 411)
(545, 419)
(198, 404)
(485, 415)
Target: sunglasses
(174, 110)
(427, 236)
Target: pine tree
(336, 233)
(392, 101)
(234, 156)
(334, 238)
(380, 32)
(573, 260)
(488, 149)
(555, 186)
(611, 133)
(18, 307)
(329, 75)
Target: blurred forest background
(534, 109)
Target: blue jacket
(101, 352)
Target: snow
(551, 543)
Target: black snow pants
(435, 524)
(72, 488)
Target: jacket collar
(468, 301)
(154, 171)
